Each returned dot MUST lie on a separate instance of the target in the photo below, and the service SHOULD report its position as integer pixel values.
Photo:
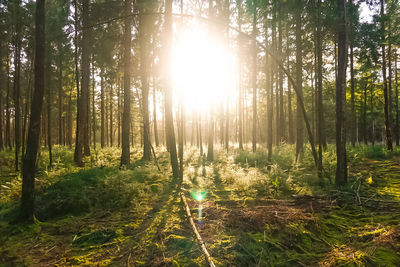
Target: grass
(254, 212)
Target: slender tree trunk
(157, 142)
(320, 110)
(282, 130)
(299, 81)
(169, 120)
(126, 116)
(211, 123)
(8, 115)
(352, 100)
(60, 98)
(1, 110)
(240, 95)
(144, 40)
(86, 31)
(93, 107)
(200, 136)
(69, 132)
(17, 84)
(396, 102)
(254, 80)
(119, 112)
(390, 106)
(110, 107)
(29, 162)
(341, 167)
(101, 109)
(49, 122)
(289, 93)
(386, 91)
(79, 137)
(365, 132)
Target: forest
(199, 133)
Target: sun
(203, 70)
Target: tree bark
(254, 80)
(397, 135)
(29, 162)
(126, 116)
(60, 97)
(386, 91)
(341, 167)
(144, 41)
(17, 84)
(169, 120)
(299, 81)
(157, 142)
(49, 122)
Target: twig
(198, 236)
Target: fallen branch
(198, 236)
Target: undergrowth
(103, 215)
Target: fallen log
(196, 232)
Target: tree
(126, 116)
(144, 43)
(167, 79)
(299, 79)
(29, 162)
(386, 91)
(341, 167)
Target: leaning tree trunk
(29, 162)
(341, 167)
(126, 116)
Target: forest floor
(248, 213)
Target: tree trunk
(157, 142)
(8, 115)
(254, 80)
(211, 123)
(144, 42)
(101, 109)
(79, 137)
(299, 81)
(319, 107)
(93, 107)
(86, 31)
(29, 162)
(240, 95)
(17, 84)
(341, 167)
(126, 116)
(49, 122)
(111, 122)
(289, 93)
(386, 92)
(169, 120)
(352, 100)
(60, 98)
(397, 135)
